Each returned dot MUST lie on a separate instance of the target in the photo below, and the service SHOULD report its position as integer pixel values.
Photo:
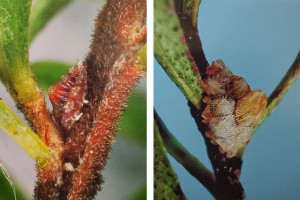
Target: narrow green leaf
(49, 72)
(42, 12)
(134, 118)
(141, 194)
(166, 183)
(172, 52)
(22, 134)
(7, 190)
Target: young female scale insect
(68, 96)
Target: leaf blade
(172, 52)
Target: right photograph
(226, 99)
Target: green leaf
(6, 190)
(166, 183)
(49, 72)
(171, 51)
(14, 15)
(134, 118)
(141, 194)
(42, 12)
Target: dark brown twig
(191, 35)
(227, 170)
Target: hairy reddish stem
(86, 180)
(88, 101)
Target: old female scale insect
(232, 110)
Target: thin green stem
(185, 158)
(22, 134)
(281, 89)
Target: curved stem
(185, 158)
(281, 89)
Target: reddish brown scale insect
(58, 93)
(68, 96)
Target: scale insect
(232, 108)
(68, 96)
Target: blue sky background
(257, 40)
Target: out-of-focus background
(257, 40)
(66, 38)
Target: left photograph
(73, 99)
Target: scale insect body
(68, 96)
(232, 108)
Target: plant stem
(185, 158)
(23, 135)
(281, 89)
(15, 69)
(227, 170)
(187, 11)
(103, 82)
